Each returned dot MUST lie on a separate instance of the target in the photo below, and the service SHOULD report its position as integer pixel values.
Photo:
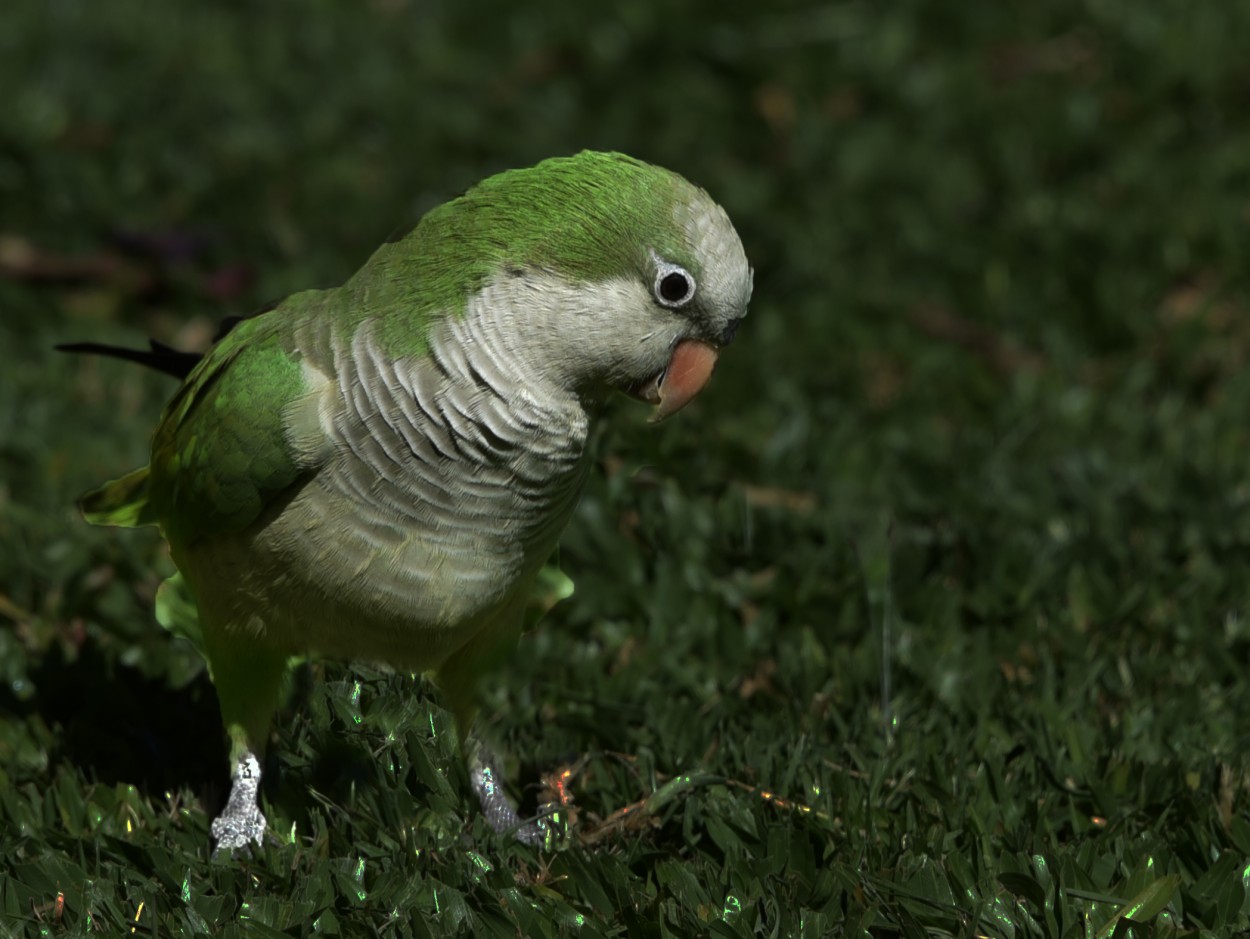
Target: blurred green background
(951, 558)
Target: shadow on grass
(119, 726)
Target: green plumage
(220, 454)
(122, 502)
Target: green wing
(221, 453)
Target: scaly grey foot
(500, 813)
(240, 823)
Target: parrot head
(604, 272)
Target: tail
(122, 502)
(159, 356)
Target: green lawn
(927, 619)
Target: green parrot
(379, 470)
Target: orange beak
(688, 371)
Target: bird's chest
(442, 484)
(434, 513)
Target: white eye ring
(674, 285)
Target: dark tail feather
(161, 357)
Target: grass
(928, 618)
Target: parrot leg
(458, 678)
(248, 678)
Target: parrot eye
(674, 286)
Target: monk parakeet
(379, 470)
